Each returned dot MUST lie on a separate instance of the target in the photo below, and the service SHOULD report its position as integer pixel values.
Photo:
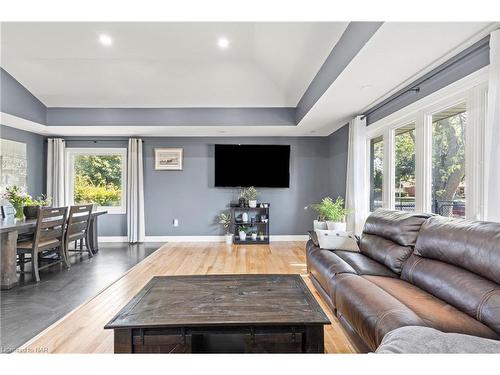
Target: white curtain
(492, 134)
(135, 192)
(56, 170)
(356, 196)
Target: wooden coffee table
(221, 314)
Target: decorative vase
(243, 236)
(319, 225)
(19, 212)
(254, 236)
(229, 238)
(252, 203)
(242, 202)
(244, 217)
(30, 212)
(334, 225)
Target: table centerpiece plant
(24, 204)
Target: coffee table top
(213, 300)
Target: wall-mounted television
(252, 165)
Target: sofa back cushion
(458, 261)
(389, 236)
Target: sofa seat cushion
(434, 312)
(370, 310)
(364, 265)
(323, 265)
(423, 340)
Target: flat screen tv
(252, 165)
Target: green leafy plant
(243, 228)
(41, 201)
(102, 195)
(249, 193)
(331, 210)
(225, 220)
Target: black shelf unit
(256, 226)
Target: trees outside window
(97, 176)
(448, 161)
(404, 144)
(376, 172)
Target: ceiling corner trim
(356, 35)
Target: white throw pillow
(337, 240)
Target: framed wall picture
(168, 159)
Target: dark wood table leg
(123, 341)
(94, 243)
(8, 263)
(314, 340)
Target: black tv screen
(252, 165)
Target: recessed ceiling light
(223, 42)
(105, 40)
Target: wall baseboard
(273, 238)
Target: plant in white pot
(332, 213)
(225, 220)
(242, 232)
(250, 195)
(254, 236)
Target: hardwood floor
(81, 331)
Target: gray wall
(36, 150)
(16, 100)
(338, 143)
(191, 197)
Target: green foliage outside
(98, 179)
(448, 157)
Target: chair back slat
(52, 223)
(78, 227)
(78, 222)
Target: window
(97, 176)
(376, 172)
(448, 161)
(404, 168)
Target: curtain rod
(96, 140)
(415, 86)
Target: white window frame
(473, 91)
(71, 152)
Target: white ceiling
(397, 54)
(179, 65)
(167, 64)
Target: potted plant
(250, 195)
(262, 237)
(18, 198)
(254, 236)
(30, 208)
(332, 213)
(225, 220)
(242, 232)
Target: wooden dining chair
(78, 229)
(48, 238)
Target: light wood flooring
(81, 331)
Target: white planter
(262, 238)
(333, 225)
(243, 236)
(319, 225)
(252, 204)
(254, 236)
(229, 238)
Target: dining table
(11, 227)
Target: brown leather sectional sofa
(413, 270)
